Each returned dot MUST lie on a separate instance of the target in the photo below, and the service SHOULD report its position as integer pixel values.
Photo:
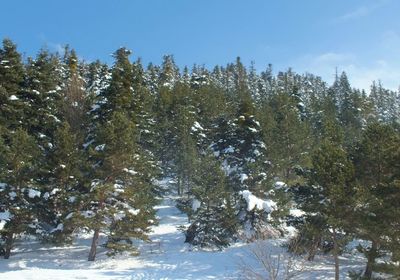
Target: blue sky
(361, 37)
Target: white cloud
(56, 47)
(357, 13)
(360, 73)
(361, 11)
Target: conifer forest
(92, 149)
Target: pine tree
(331, 200)
(376, 159)
(12, 75)
(19, 193)
(287, 135)
(122, 196)
(66, 190)
(214, 221)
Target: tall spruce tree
(122, 195)
(329, 199)
(12, 74)
(214, 221)
(19, 191)
(376, 160)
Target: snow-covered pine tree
(376, 160)
(329, 200)
(238, 144)
(12, 74)
(19, 192)
(122, 196)
(67, 189)
(214, 223)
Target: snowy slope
(167, 257)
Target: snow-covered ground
(167, 257)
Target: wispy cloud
(357, 13)
(361, 73)
(56, 47)
(361, 11)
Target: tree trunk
(9, 243)
(336, 254)
(313, 249)
(95, 240)
(371, 256)
(179, 186)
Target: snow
(196, 126)
(33, 193)
(229, 150)
(134, 211)
(95, 107)
(12, 195)
(279, 185)
(130, 171)
(165, 257)
(253, 130)
(195, 204)
(243, 177)
(85, 145)
(4, 217)
(2, 224)
(87, 214)
(119, 216)
(296, 212)
(100, 147)
(59, 227)
(258, 203)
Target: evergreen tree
(12, 75)
(214, 221)
(122, 196)
(66, 190)
(330, 196)
(19, 193)
(376, 160)
(287, 135)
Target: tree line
(83, 146)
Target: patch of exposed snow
(196, 126)
(280, 185)
(85, 145)
(100, 147)
(60, 227)
(296, 212)
(12, 195)
(254, 202)
(134, 211)
(229, 150)
(33, 193)
(130, 171)
(195, 204)
(87, 214)
(6, 215)
(243, 177)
